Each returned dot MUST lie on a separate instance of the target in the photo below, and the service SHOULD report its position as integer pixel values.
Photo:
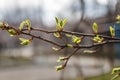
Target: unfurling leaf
(57, 20)
(64, 22)
(25, 23)
(95, 28)
(112, 31)
(89, 51)
(56, 49)
(25, 41)
(60, 67)
(60, 23)
(69, 45)
(12, 32)
(62, 59)
(57, 34)
(76, 39)
(98, 39)
(22, 24)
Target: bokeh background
(37, 60)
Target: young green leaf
(76, 39)
(28, 24)
(61, 23)
(98, 39)
(64, 22)
(1, 25)
(57, 20)
(68, 35)
(56, 49)
(118, 18)
(69, 45)
(60, 59)
(57, 34)
(95, 28)
(12, 32)
(24, 41)
(22, 24)
(112, 31)
(89, 51)
(115, 70)
(60, 67)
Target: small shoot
(60, 67)
(118, 18)
(57, 34)
(70, 45)
(26, 23)
(25, 41)
(60, 23)
(95, 28)
(76, 39)
(68, 35)
(89, 51)
(112, 31)
(60, 59)
(22, 24)
(12, 32)
(55, 49)
(98, 39)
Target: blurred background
(37, 60)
